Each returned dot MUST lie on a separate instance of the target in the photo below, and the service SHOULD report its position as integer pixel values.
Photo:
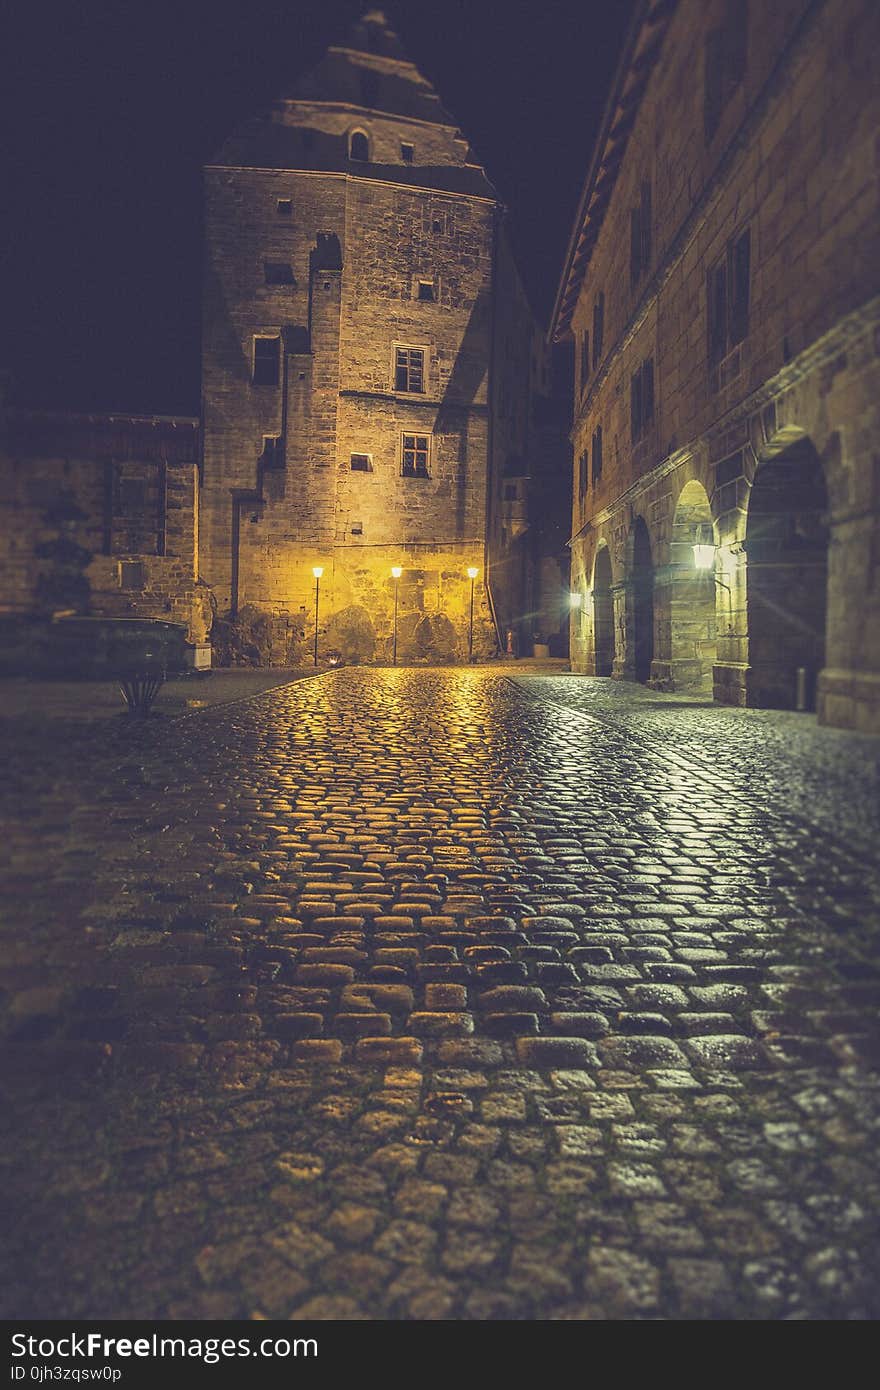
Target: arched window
(358, 146)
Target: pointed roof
(371, 69)
(368, 81)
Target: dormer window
(359, 146)
(407, 153)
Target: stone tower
(355, 265)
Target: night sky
(115, 107)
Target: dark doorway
(603, 614)
(787, 577)
(643, 602)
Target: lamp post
(396, 572)
(472, 574)
(317, 571)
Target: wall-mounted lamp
(704, 547)
(575, 599)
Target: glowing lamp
(704, 548)
(396, 571)
(317, 571)
(472, 572)
(575, 599)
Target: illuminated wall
(730, 233)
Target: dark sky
(115, 106)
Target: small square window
(357, 528)
(131, 575)
(361, 463)
(426, 291)
(407, 153)
(416, 455)
(284, 207)
(409, 369)
(278, 273)
(132, 496)
(267, 361)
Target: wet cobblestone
(429, 994)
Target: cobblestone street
(419, 994)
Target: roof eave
(649, 13)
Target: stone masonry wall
(357, 260)
(100, 516)
(793, 161)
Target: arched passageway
(692, 594)
(787, 578)
(642, 602)
(603, 614)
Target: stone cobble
(401, 994)
(831, 776)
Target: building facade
(100, 517)
(369, 360)
(721, 289)
(376, 404)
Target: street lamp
(472, 574)
(396, 572)
(317, 571)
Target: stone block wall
(100, 516)
(263, 529)
(791, 166)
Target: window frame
(596, 456)
(278, 275)
(356, 158)
(725, 60)
(641, 217)
(276, 358)
(728, 298)
(273, 453)
(360, 454)
(415, 450)
(408, 390)
(598, 328)
(642, 401)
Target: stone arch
(692, 594)
(786, 545)
(603, 613)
